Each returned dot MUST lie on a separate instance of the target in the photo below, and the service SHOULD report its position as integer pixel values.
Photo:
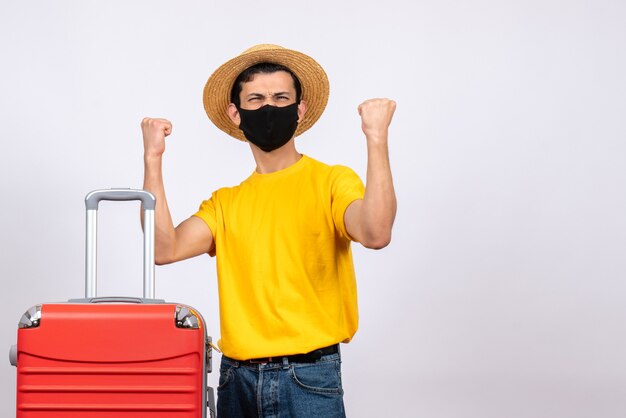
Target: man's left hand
(376, 115)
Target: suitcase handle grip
(147, 199)
(91, 203)
(116, 299)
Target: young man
(282, 237)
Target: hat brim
(312, 77)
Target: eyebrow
(280, 93)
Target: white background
(502, 293)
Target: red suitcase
(113, 357)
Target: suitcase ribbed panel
(92, 387)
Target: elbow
(377, 242)
(374, 231)
(161, 259)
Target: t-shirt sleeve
(206, 212)
(346, 188)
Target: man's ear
(233, 114)
(301, 110)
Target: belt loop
(231, 362)
(285, 363)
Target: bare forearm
(379, 205)
(370, 220)
(165, 234)
(192, 237)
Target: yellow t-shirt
(285, 274)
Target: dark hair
(261, 68)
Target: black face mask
(269, 127)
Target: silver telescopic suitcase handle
(91, 202)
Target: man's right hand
(154, 132)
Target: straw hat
(312, 77)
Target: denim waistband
(310, 357)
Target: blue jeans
(281, 389)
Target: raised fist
(154, 132)
(376, 115)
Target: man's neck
(279, 159)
